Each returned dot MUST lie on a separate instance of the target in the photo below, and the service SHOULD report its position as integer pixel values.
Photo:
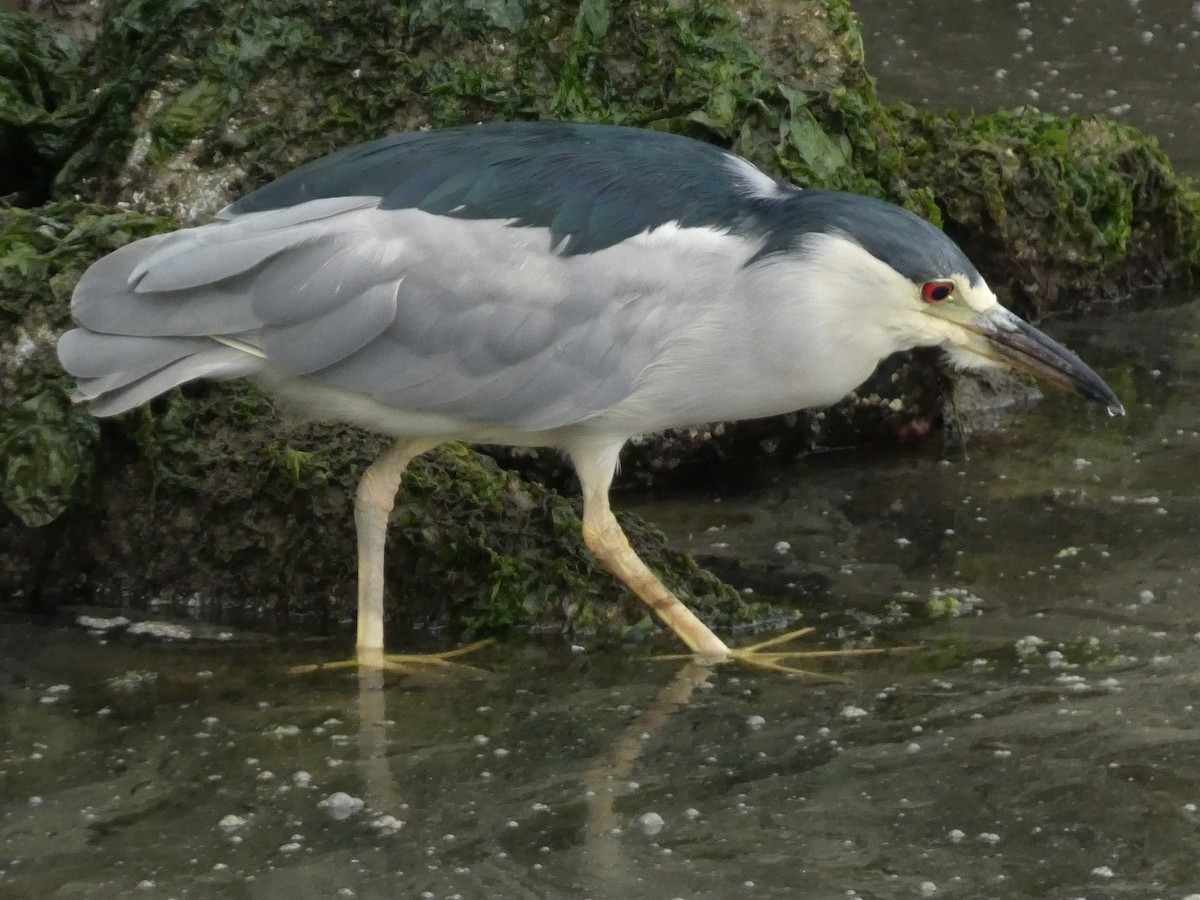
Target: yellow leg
(595, 466)
(373, 502)
(606, 540)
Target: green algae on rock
(47, 444)
(1067, 208)
(191, 102)
(40, 83)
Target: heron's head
(900, 282)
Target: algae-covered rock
(1063, 209)
(47, 444)
(199, 100)
(39, 85)
(210, 497)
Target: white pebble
(756, 721)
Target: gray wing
(177, 307)
(425, 313)
(470, 319)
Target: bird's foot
(763, 655)
(402, 663)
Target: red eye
(936, 291)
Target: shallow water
(1044, 742)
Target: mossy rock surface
(40, 106)
(200, 100)
(1066, 210)
(211, 504)
(178, 106)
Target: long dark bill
(1013, 340)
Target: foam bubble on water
(652, 823)
(231, 822)
(341, 805)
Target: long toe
(761, 656)
(403, 663)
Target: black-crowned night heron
(550, 285)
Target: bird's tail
(139, 337)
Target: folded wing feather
(422, 312)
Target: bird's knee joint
(375, 492)
(604, 540)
